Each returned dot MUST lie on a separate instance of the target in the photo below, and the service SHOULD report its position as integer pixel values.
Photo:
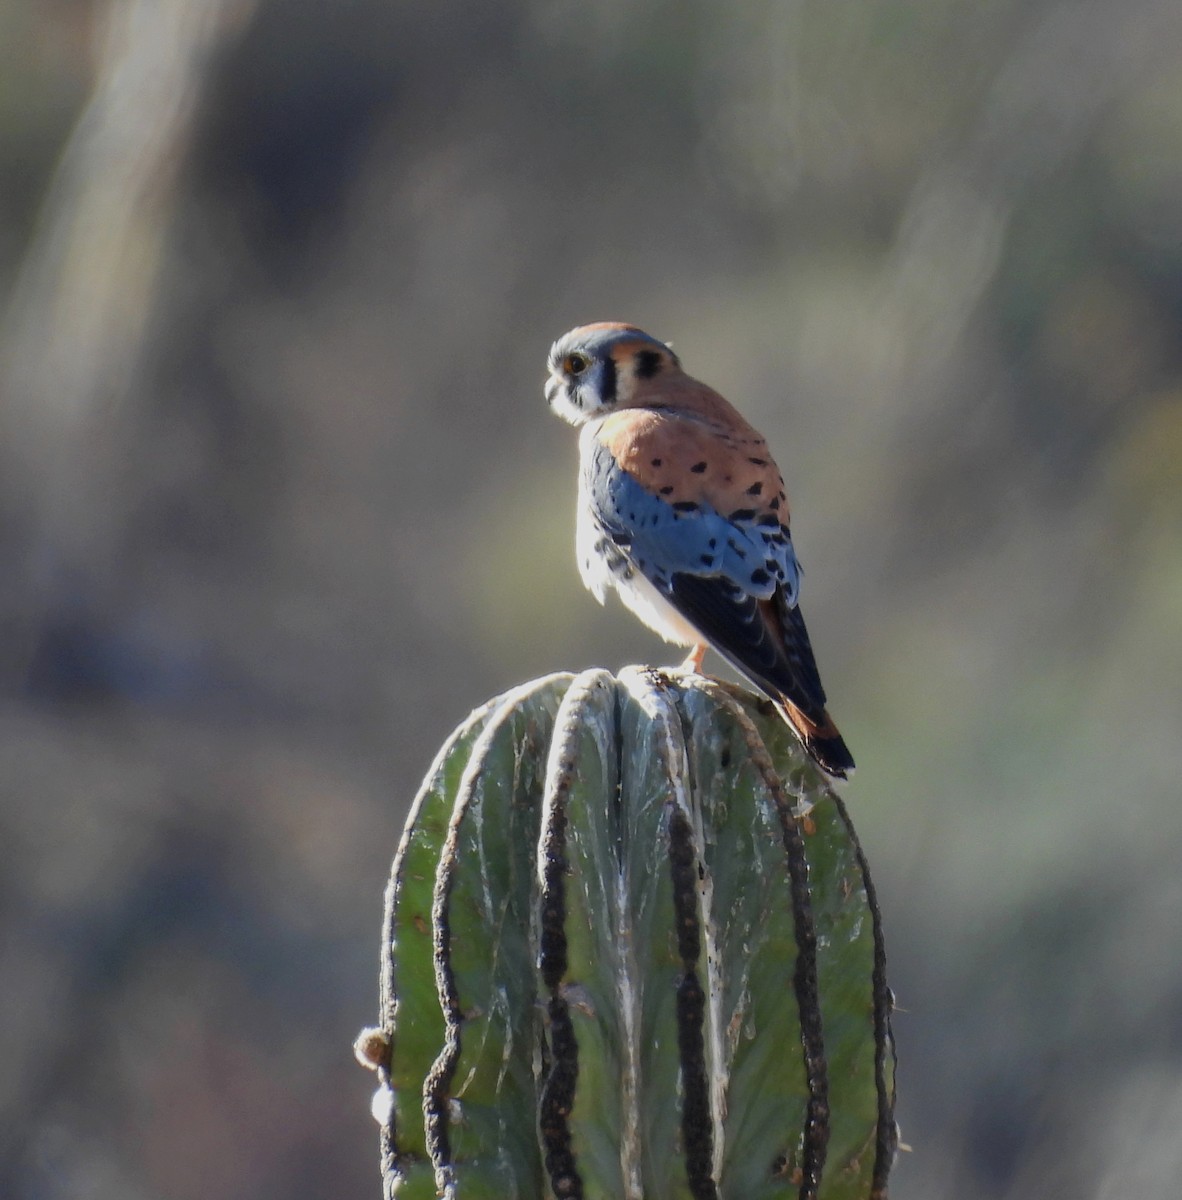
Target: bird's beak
(552, 386)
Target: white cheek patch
(566, 408)
(579, 400)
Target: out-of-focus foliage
(280, 501)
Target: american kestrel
(682, 510)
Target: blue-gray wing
(735, 581)
(663, 540)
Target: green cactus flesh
(632, 951)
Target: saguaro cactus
(632, 951)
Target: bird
(682, 511)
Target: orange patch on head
(622, 326)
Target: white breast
(655, 611)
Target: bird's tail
(820, 738)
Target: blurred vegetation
(280, 501)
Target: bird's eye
(576, 364)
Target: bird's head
(596, 369)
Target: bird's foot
(693, 660)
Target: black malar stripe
(608, 381)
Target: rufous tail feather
(821, 739)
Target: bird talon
(693, 660)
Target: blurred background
(280, 501)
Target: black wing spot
(698, 468)
(667, 491)
(648, 363)
(759, 462)
(657, 462)
(742, 514)
(706, 560)
(775, 504)
(686, 506)
(769, 519)
(759, 577)
(755, 489)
